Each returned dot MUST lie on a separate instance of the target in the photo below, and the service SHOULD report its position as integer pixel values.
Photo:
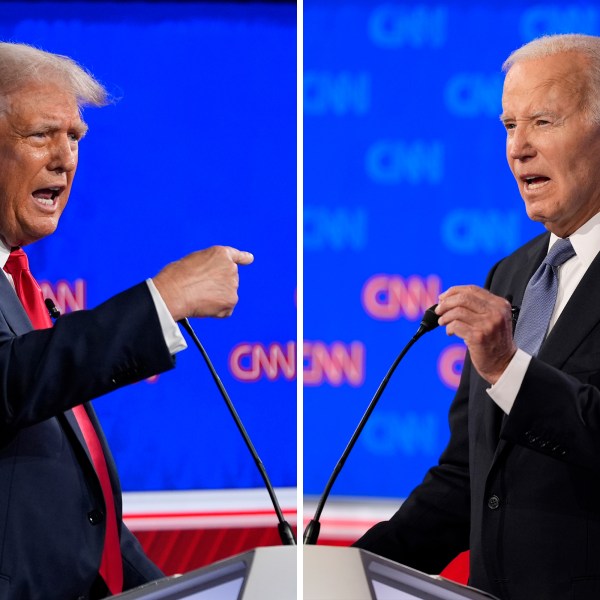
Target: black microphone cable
(286, 533)
(429, 322)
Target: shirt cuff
(173, 338)
(504, 391)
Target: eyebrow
(48, 126)
(531, 117)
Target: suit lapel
(72, 422)
(517, 282)
(11, 308)
(17, 320)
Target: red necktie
(30, 294)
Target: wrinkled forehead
(40, 100)
(560, 77)
(49, 82)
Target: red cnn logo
(450, 365)
(67, 296)
(391, 297)
(336, 363)
(251, 361)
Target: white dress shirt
(586, 243)
(171, 333)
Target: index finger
(461, 289)
(473, 297)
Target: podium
(330, 573)
(334, 573)
(260, 574)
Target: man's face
(552, 147)
(39, 136)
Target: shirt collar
(586, 240)
(4, 253)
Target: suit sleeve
(86, 354)
(432, 525)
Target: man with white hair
(519, 482)
(61, 531)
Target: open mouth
(47, 196)
(534, 182)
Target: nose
(518, 144)
(63, 156)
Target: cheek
(575, 182)
(63, 202)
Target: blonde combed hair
(21, 64)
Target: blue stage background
(199, 148)
(406, 192)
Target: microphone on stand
(428, 322)
(286, 533)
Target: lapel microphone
(54, 312)
(514, 311)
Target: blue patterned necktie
(540, 298)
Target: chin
(37, 234)
(535, 216)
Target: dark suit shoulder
(524, 252)
(509, 276)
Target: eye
(542, 122)
(509, 126)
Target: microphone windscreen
(430, 319)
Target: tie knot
(17, 261)
(560, 253)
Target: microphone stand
(286, 533)
(429, 322)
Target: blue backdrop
(407, 192)
(199, 148)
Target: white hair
(21, 64)
(587, 46)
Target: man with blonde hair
(519, 482)
(61, 531)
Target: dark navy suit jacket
(51, 504)
(521, 491)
